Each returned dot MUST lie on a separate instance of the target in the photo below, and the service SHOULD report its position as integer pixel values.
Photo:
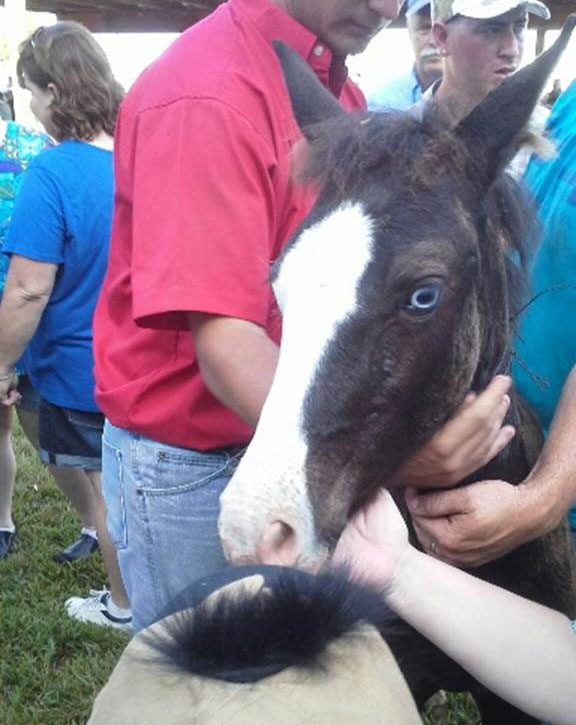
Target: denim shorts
(163, 504)
(70, 438)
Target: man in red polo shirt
(186, 330)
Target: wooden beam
(176, 15)
(129, 15)
(132, 22)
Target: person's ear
(440, 34)
(53, 91)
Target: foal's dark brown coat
(450, 224)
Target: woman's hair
(87, 96)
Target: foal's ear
(491, 130)
(311, 102)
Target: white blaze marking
(317, 290)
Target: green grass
(51, 667)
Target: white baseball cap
(444, 10)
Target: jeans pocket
(114, 494)
(178, 471)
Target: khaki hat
(352, 678)
(444, 10)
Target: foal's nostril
(279, 544)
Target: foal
(397, 295)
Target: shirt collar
(276, 24)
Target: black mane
(246, 637)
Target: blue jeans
(163, 506)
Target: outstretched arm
(520, 650)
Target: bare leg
(7, 467)
(73, 482)
(79, 489)
(117, 590)
(29, 422)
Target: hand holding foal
(467, 442)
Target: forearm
(552, 483)
(237, 361)
(19, 318)
(28, 288)
(523, 652)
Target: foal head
(396, 294)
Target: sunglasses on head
(35, 36)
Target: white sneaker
(94, 609)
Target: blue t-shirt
(63, 216)
(546, 345)
(397, 94)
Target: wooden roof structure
(176, 15)
(128, 15)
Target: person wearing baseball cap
(402, 92)
(482, 42)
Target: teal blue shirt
(19, 146)
(546, 346)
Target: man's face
(426, 53)
(480, 54)
(346, 26)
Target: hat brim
(480, 11)
(416, 6)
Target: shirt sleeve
(204, 215)
(38, 227)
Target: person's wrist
(542, 508)
(398, 588)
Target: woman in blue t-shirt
(18, 146)
(58, 245)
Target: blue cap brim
(415, 6)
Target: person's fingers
(500, 441)
(489, 424)
(492, 394)
(489, 408)
(485, 443)
(439, 504)
(10, 398)
(477, 414)
(426, 537)
(13, 396)
(480, 450)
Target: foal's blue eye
(424, 299)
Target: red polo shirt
(204, 203)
